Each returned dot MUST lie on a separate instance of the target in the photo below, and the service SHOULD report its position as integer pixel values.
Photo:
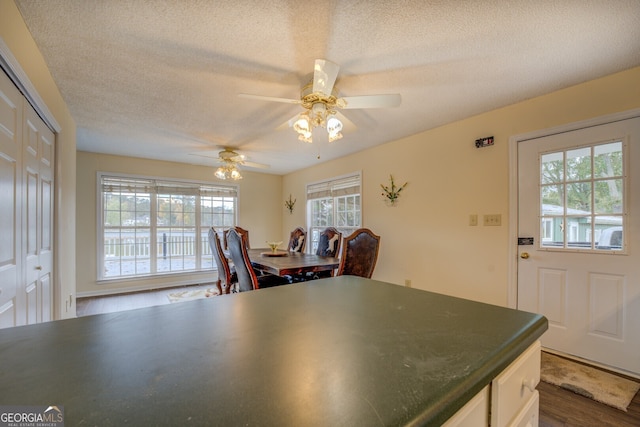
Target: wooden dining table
(284, 263)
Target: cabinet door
(10, 198)
(515, 387)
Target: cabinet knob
(529, 383)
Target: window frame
(162, 186)
(565, 216)
(338, 188)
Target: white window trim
(100, 279)
(336, 179)
(624, 139)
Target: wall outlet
(407, 283)
(473, 220)
(492, 220)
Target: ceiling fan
(229, 161)
(320, 100)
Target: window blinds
(112, 184)
(336, 187)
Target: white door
(36, 295)
(10, 185)
(579, 199)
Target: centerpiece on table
(274, 250)
(274, 246)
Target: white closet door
(38, 149)
(26, 211)
(10, 215)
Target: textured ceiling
(160, 79)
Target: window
(152, 226)
(333, 203)
(582, 195)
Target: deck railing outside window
(152, 226)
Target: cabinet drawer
(514, 388)
(474, 414)
(530, 414)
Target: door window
(582, 198)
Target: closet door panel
(11, 119)
(38, 219)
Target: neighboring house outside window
(335, 202)
(150, 226)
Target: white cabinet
(474, 413)
(513, 392)
(510, 400)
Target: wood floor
(562, 408)
(129, 301)
(558, 407)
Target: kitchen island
(342, 351)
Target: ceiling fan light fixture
(334, 126)
(334, 137)
(320, 99)
(229, 171)
(305, 137)
(317, 116)
(220, 173)
(235, 174)
(303, 124)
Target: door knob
(524, 255)
(39, 267)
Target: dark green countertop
(343, 351)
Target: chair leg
(219, 286)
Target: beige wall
(19, 41)
(260, 211)
(426, 238)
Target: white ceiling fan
(320, 100)
(229, 161)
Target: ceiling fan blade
(212, 156)
(255, 165)
(324, 76)
(269, 98)
(372, 101)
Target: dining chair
(359, 253)
(297, 240)
(329, 242)
(221, 232)
(247, 278)
(244, 233)
(328, 245)
(226, 277)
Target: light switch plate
(492, 220)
